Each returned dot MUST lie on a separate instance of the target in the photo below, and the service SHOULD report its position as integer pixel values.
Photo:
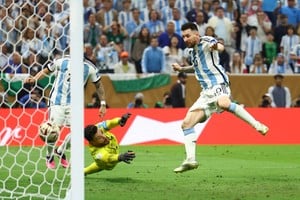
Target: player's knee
(224, 102)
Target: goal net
(32, 33)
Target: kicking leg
(61, 149)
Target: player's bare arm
(41, 74)
(101, 93)
(179, 68)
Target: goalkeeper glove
(127, 157)
(124, 118)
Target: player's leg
(60, 151)
(92, 168)
(192, 117)
(225, 103)
(55, 114)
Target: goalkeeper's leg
(92, 168)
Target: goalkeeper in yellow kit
(104, 146)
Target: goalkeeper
(104, 146)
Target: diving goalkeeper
(104, 146)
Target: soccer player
(104, 147)
(215, 95)
(59, 101)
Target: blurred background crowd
(144, 36)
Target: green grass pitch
(255, 172)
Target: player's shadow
(118, 180)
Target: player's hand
(124, 119)
(213, 44)
(102, 110)
(29, 80)
(127, 157)
(176, 67)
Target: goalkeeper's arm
(126, 157)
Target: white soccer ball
(49, 131)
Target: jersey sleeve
(109, 124)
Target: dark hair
(189, 25)
(89, 132)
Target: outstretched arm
(101, 94)
(178, 68)
(41, 74)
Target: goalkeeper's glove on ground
(124, 118)
(127, 157)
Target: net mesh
(32, 33)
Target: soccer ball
(49, 131)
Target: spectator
(155, 25)
(145, 10)
(4, 57)
(133, 26)
(200, 21)
(296, 102)
(125, 15)
(166, 101)
(280, 30)
(230, 8)
(178, 20)
(287, 42)
(292, 13)
(280, 66)
(166, 12)
(164, 38)
(280, 95)
(89, 53)
(139, 4)
(116, 33)
(173, 54)
(224, 57)
(87, 11)
(222, 25)
(141, 43)
(184, 5)
(266, 101)
(15, 64)
(92, 30)
(253, 46)
(269, 8)
(210, 31)
(192, 14)
(32, 100)
(106, 54)
(153, 59)
(269, 49)
(258, 66)
(124, 66)
(240, 33)
(138, 101)
(237, 65)
(178, 91)
(262, 22)
(295, 56)
(106, 15)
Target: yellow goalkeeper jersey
(106, 157)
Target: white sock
(65, 145)
(240, 112)
(50, 147)
(190, 140)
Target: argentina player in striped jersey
(215, 95)
(60, 100)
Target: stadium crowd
(144, 36)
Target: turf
(225, 172)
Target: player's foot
(50, 163)
(263, 129)
(63, 159)
(186, 165)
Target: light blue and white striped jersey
(60, 92)
(208, 71)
